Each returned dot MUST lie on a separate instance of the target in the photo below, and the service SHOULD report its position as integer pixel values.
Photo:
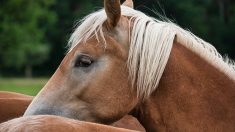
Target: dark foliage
(35, 33)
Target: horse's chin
(87, 116)
(82, 116)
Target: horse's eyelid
(83, 58)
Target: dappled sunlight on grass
(22, 85)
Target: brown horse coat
(13, 105)
(45, 123)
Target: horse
(45, 123)
(121, 61)
(13, 105)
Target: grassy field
(21, 85)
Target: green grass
(22, 85)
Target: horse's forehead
(97, 48)
(91, 46)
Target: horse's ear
(113, 11)
(129, 3)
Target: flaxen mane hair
(150, 47)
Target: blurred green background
(29, 86)
(34, 33)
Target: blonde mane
(150, 47)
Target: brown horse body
(169, 79)
(45, 123)
(13, 105)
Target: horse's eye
(83, 61)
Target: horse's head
(92, 82)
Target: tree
(22, 34)
(27, 27)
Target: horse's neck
(192, 95)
